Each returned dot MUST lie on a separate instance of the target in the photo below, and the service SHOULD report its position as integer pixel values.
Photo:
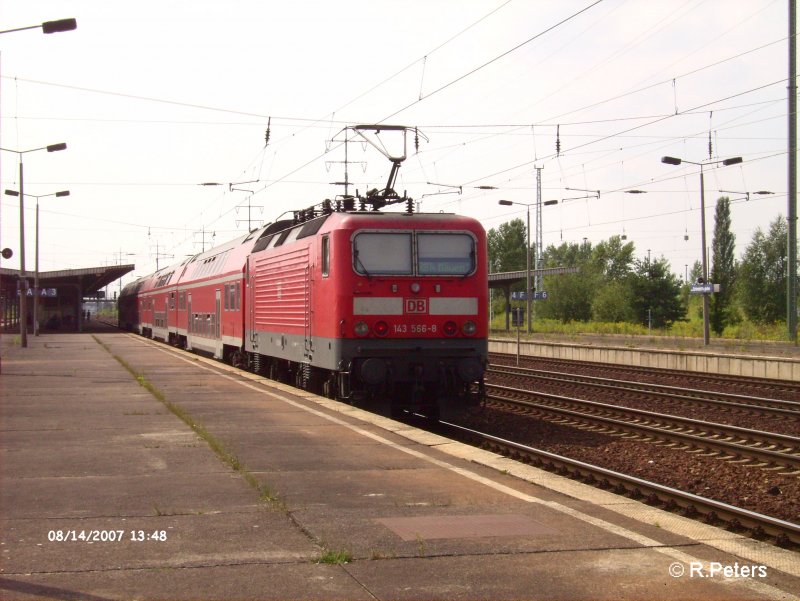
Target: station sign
(43, 292)
(537, 295)
(704, 288)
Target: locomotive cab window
(382, 253)
(445, 254)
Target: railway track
(715, 400)
(763, 449)
(784, 389)
(783, 533)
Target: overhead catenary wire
(568, 138)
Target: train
(344, 299)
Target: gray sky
(158, 97)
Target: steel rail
(789, 458)
(753, 382)
(785, 533)
(688, 395)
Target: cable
(495, 59)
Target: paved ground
(217, 485)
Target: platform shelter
(61, 295)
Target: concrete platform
(779, 361)
(222, 485)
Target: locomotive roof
(359, 218)
(232, 255)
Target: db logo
(416, 305)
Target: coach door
(189, 321)
(249, 293)
(309, 346)
(217, 298)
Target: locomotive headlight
(469, 328)
(415, 287)
(361, 328)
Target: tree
(656, 294)
(600, 290)
(507, 246)
(695, 272)
(613, 302)
(762, 274)
(613, 259)
(569, 295)
(723, 271)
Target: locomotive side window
(326, 256)
(382, 253)
(445, 254)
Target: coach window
(326, 256)
(445, 254)
(384, 253)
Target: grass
(693, 328)
(331, 557)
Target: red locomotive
(353, 303)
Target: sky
(155, 99)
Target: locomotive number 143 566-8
(414, 328)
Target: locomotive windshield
(392, 253)
(382, 253)
(445, 254)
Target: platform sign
(43, 292)
(521, 296)
(702, 289)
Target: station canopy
(88, 280)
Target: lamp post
(23, 300)
(36, 264)
(49, 26)
(725, 162)
(508, 203)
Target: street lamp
(726, 163)
(508, 203)
(36, 267)
(23, 300)
(49, 26)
